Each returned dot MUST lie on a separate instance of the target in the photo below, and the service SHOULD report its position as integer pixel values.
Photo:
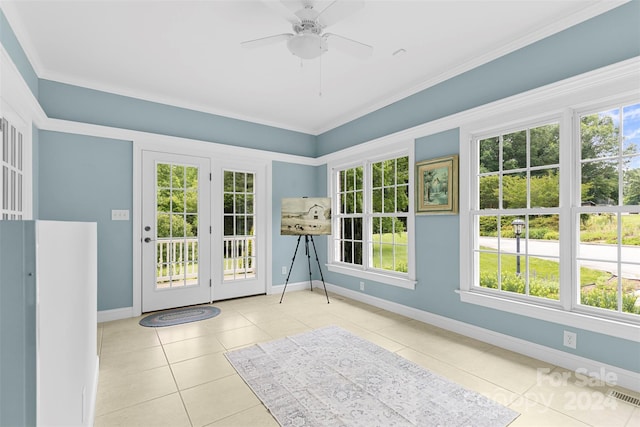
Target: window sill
(587, 322)
(400, 282)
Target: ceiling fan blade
(283, 10)
(349, 46)
(265, 41)
(339, 10)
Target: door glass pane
(176, 226)
(239, 249)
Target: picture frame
(437, 186)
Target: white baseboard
(624, 378)
(300, 286)
(115, 314)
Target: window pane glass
(402, 198)
(359, 195)
(359, 179)
(403, 170)
(402, 256)
(545, 188)
(489, 155)
(514, 190)
(514, 150)
(191, 177)
(163, 173)
(357, 253)
(513, 271)
(599, 285)
(488, 269)
(631, 189)
(249, 183)
(347, 252)
(631, 241)
(376, 174)
(240, 180)
(357, 228)
(630, 126)
(177, 201)
(599, 134)
(347, 228)
(177, 225)
(163, 226)
(228, 225)
(177, 176)
(390, 199)
(240, 203)
(191, 225)
(489, 192)
(349, 208)
(240, 225)
(488, 227)
(249, 203)
(377, 200)
(600, 183)
(163, 201)
(389, 172)
(192, 201)
(544, 235)
(228, 181)
(598, 236)
(545, 143)
(228, 203)
(350, 180)
(544, 277)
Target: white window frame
(365, 156)
(566, 311)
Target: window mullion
(569, 217)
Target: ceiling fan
(308, 39)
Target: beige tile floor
(178, 376)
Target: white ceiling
(188, 53)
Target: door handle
(148, 239)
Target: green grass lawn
(542, 267)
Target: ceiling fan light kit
(307, 46)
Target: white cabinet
(48, 320)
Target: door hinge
(209, 229)
(209, 282)
(210, 176)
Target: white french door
(176, 231)
(239, 254)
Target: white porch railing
(177, 260)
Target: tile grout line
(174, 378)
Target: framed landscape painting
(437, 186)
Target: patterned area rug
(179, 315)
(330, 377)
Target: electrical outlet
(570, 339)
(362, 286)
(284, 270)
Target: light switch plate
(120, 215)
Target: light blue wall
(12, 46)
(603, 40)
(83, 178)
(107, 109)
(292, 180)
